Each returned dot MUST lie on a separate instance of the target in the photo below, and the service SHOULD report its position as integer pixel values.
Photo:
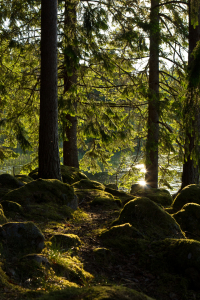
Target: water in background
(104, 177)
(14, 166)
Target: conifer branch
(170, 2)
(174, 78)
(174, 62)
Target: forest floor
(123, 270)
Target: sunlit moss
(79, 216)
(88, 184)
(160, 196)
(190, 194)
(3, 219)
(97, 197)
(69, 267)
(97, 293)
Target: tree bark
(70, 150)
(190, 173)
(151, 175)
(49, 162)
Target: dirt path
(122, 271)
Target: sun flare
(142, 182)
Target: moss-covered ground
(94, 270)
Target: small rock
(40, 259)
(66, 241)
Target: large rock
(111, 186)
(11, 208)
(124, 197)
(5, 283)
(124, 230)
(24, 178)
(190, 194)
(69, 174)
(2, 216)
(29, 267)
(150, 219)
(9, 181)
(124, 237)
(97, 197)
(160, 196)
(189, 220)
(102, 255)
(180, 256)
(43, 191)
(88, 184)
(19, 238)
(4, 191)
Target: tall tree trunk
(190, 173)
(49, 162)
(70, 150)
(151, 175)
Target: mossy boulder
(181, 256)
(124, 197)
(24, 178)
(139, 187)
(34, 174)
(11, 208)
(69, 174)
(88, 184)
(189, 194)
(9, 181)
(111, 186)
(159, 196)
(124, 230)
(38, 258)
(189, 220)
(65, 241)
(150, 219)
(71, 268)
(5, 284)
(125, 238)
(97, 293)
(97, 197)
(3, 219)
(30, 267)
(44, 191)
(4, 191)
(103, 255)
(19, 238)
(47, 211)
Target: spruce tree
(70, 150)
(191, 112)
(151, 175)
(49, 162)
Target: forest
(89, 87)
(127, 83)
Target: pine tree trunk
(190, 173)
(49, 163)
(70, 150)
(151, 175)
